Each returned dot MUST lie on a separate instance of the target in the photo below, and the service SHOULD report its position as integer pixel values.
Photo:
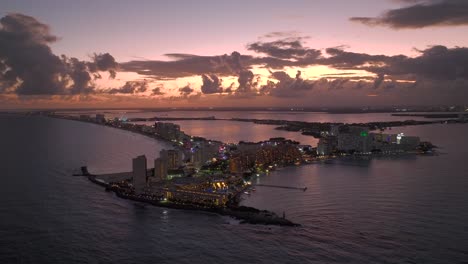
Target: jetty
(283, 187)
(246, 214)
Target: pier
(283, 187)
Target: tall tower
(172, 157)
(139, 173)
(160, 169)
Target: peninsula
(202, 174)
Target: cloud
(282, 34)
(286, 85)
(287, 48)
(77, 71)
(246, 83)
(378, 81)
(28, 66)
(433, 63)
(130, 87)
(421, 14)
(186, 65)
(104, 62)
(186, 90)
(211, 84)
(30, 63)
(158, 90)
(340, 58)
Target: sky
(78, 54)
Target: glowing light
(399, 137)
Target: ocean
(397, 209)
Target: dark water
(409, 209)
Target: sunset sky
(70, 54)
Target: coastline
(245, 214)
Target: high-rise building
(173, 158)
(139, 173)
(160, 169)
(326, 145)
(355, 138)
(203, 152)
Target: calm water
(282, 115)
(410, 209)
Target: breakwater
(247, 215)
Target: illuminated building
(139, 173)
(203, 151)
(326, 145)
(237, 165)
(196, 197)
(354, 138)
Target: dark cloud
(188, 65)
(422, 14)
(186, 90)
(78, 73)
(246, 81)
(286, 85)
(288, 48)
(24, 50)
(281, 53)
(343, 59)
(28, 66)
(378, 80)
(434, 63)
(211, 84)
(338, 83)
(105, 62)
(130, 87)
(158, 90)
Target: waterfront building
(139, 173)
(355, 139)
(100, 118)
(196, 197)
(394, 143)
(326, 145)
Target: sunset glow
(296, 53)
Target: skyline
(274, 54)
